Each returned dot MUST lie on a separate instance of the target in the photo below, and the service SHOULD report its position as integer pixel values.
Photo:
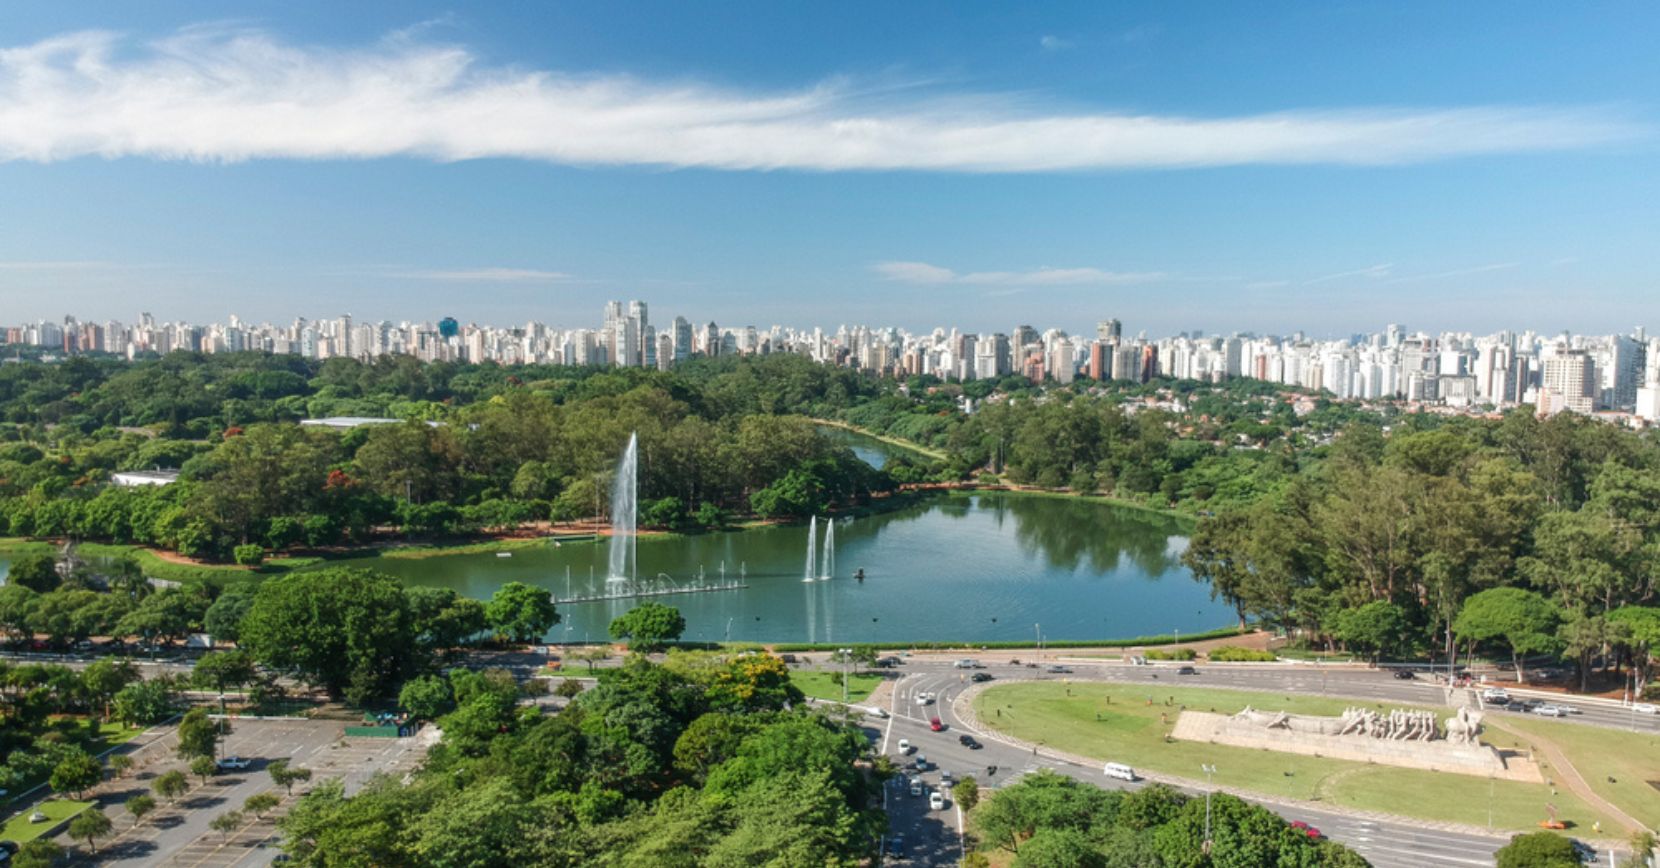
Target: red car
(1306, 829)
(935, 725)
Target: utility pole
(1038, 629)
(1209, 770)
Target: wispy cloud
(56, 265)
(487, 275)
(925, 274)
(1370, 272)
(1050, 42)
(1456, 272)
(225, 94)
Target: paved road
(1384, 844)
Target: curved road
(933, 837)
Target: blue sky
(1324, 166)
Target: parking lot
(178, 834)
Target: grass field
(1631, 759)
(820, 685)
(1115, 722)
(19, 828)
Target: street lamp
(1038, 629)
(847, 662)
(1208, 770)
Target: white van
(1119, 771)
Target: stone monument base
(1480, 760)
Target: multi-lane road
(933, 837)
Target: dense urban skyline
(1617, 374)
(1217, 168)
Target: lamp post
(847, 663)
(1038, 629)
(1209, 770)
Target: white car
(924, 699)
(904, 747)
(878, 712)
(1646, 708)
(235, 763)
(936, 801)
(1549, 710)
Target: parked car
(1405, 674)
(922, 763)
(916, 787)
(1186, 670)
(235, 763)
(905, 747)
(935, 724)
(980, 676)
(936, 801)
(968, 741)
(896, 847)
(946, 780)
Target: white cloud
(235, 94)
(1370, 272)
(923, 273)
(1457, 272)
(1054, 43)
(488, 275)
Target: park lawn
(12, 546)
(19, 829)
(1130, 730)
(1631, 759)
(821, 685)
(421, 552)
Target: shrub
(1236, 654)
(249, 554)
(1171, 654)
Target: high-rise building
(1109, 331)
(1569, 383)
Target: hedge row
(790, 647)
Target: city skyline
(1235, 168)
(1556, 372)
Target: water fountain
(625, 513)
(828, 567)
(808, 574)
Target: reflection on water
(966, 567)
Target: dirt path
(1562, 773)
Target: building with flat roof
(136, 478)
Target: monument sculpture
(1414, 738)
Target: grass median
(1622, 767)
(826, 685)
(19, 829)
(1129, 724)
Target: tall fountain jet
(808, 574)
(625, 513)
(828, 567)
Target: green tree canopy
(648, 626)
(345, 630)
(520, 612)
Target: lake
(988, 566)
(974, 567)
